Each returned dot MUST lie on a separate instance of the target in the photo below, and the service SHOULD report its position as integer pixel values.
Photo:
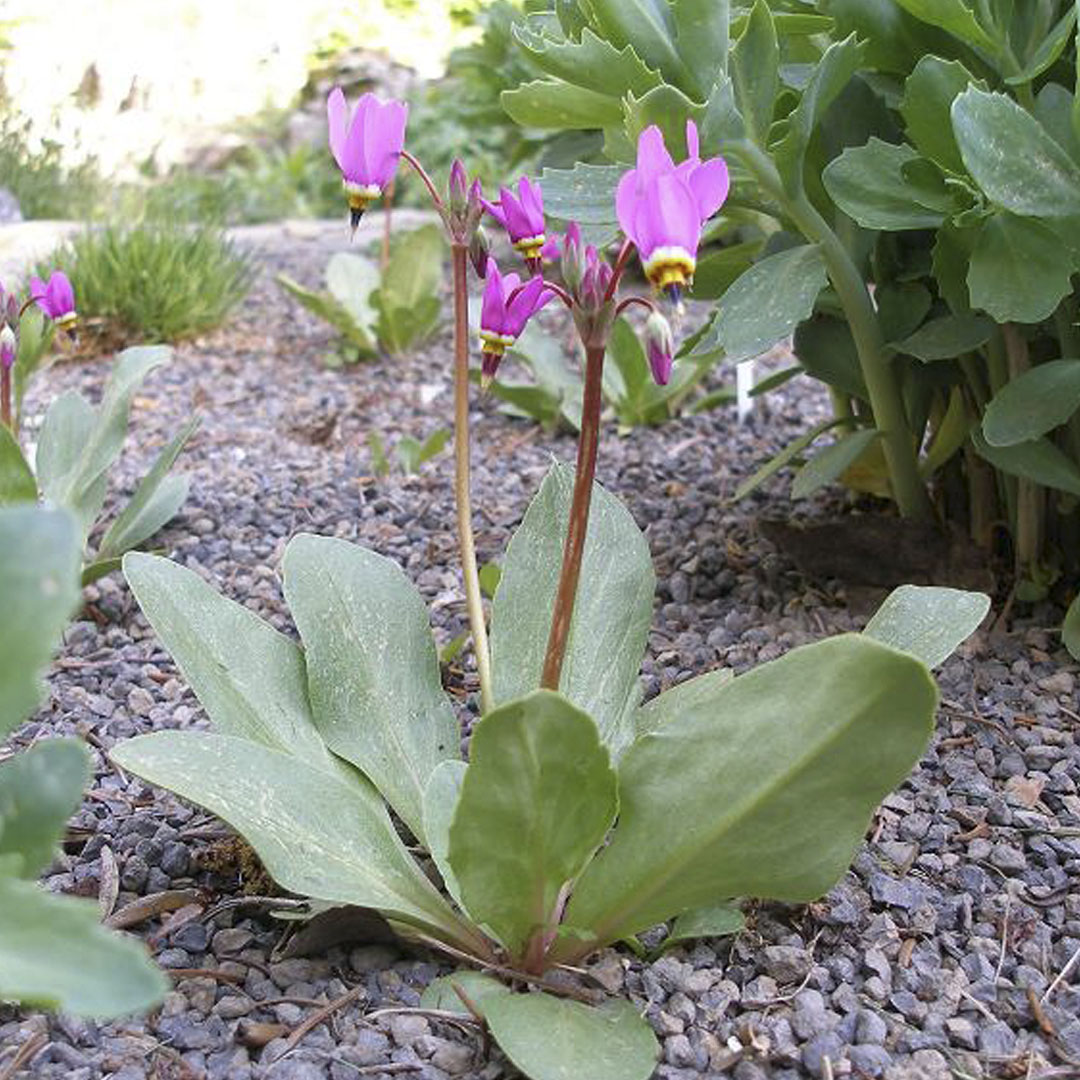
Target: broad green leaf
(928, 621)
(97, 568)
(717, 270)
(784, 457)
(755, 72)
(1039, 460)
(155, 502)
(955, 17)
(868, 183)
(1013, 158)
(478, 987)
(35, 335)
(39, 588)
(929, 92)
(88, 454)
(414, 273)
(17, 483)
(440, 802)
(551, 104)
(328, 309)
(653, 715)
(249, 678)
(701, 38)
(648, 26)
(832, 73)
(953, 247)
(1070, 631)
(550, 1038)
(585, 193)
(403, 326)
(372, 668)
(1033, 403)
(668, 108)
(1053, 109)
(55, 954)
(720, 920)
(832, 462)
(825, 347)
(1020, 269)
(39, 790)
(721, 122)
(612, 611)
(352, 279)
(1050, 48)
(536, 802)
(590, 62)
(946, 337)
(779, 795)
(766, 304)
(317, 835)
(902, 306)
(65, 433)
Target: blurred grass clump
(154, 282)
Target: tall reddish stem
(5, 397)
(473, 597)
(579, 518)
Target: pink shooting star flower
(507, 306)
(366, 146)
(9, 345)
(661, 207)
(523, 218)
(56, 299)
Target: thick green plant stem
(878, 372)
(1030, 497)
(473, 597)
(5, 397)
(578, 526)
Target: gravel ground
(939, 954)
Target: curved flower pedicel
(366, 146)
(507, 306)
(523, 218)
(56, 298)
(661, 207)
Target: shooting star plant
(582, 817)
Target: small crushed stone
(933, 957)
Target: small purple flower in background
(56, 299)
(366, 146)
(523, 218)
(659, 347)
(661, 207)
(9, 329)
(9, 345)
(506, 307)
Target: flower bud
(659, 346)
(458, 188)
(9, 343)
(573, 257)
(479, 251)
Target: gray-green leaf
(928, 621)
(1033, 403)
(372, 668)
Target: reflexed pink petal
(626, 198)
(528, 300)
(354, 164)
(337, 122)
(668, 216)
(532, 202)
(693, 147)
(61, 293)
(37, 288)
(552, 248)
(653, 158)
(384, 136)
(495, 210)
(710, 183)
(493, 304)
(517, 220)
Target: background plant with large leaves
(53, 951)
(556, 837)
(931, 150)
